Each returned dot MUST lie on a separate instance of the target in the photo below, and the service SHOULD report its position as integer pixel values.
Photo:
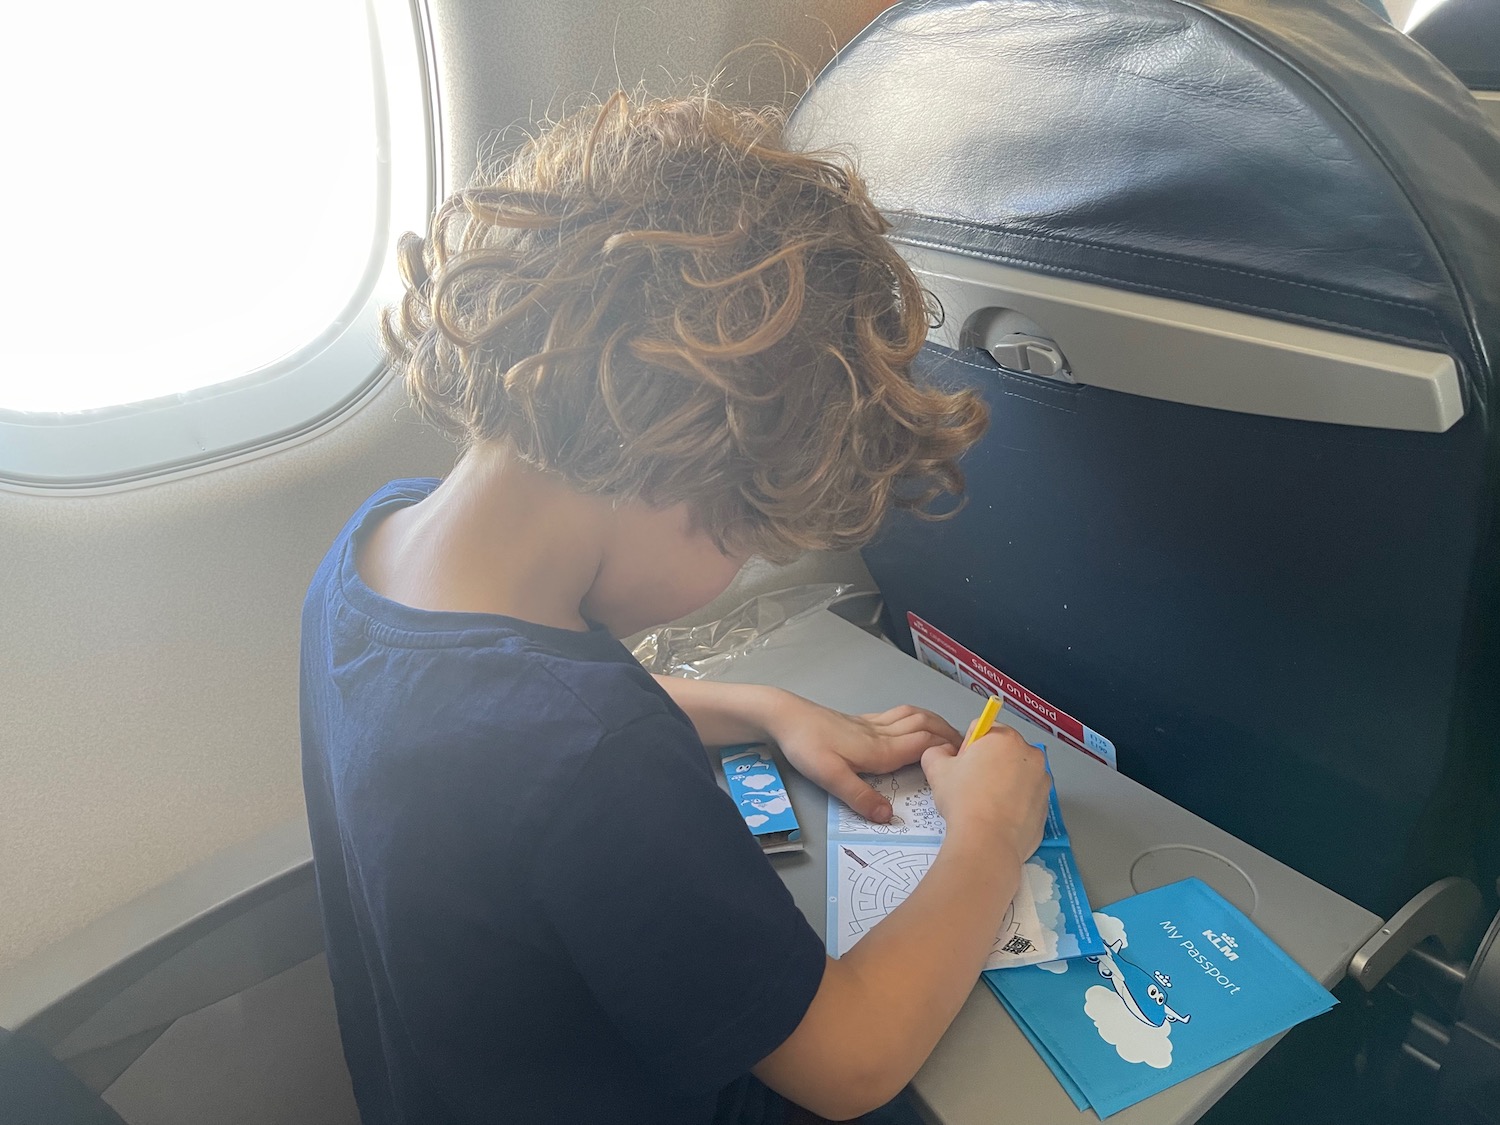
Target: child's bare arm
(882, 1008)
(826, 746)
(724, 714)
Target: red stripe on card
(1067, 727)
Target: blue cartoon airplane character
(759, 761)
(1143, 994)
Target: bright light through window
(189, 196)
(1407, 14)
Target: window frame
(301, 393)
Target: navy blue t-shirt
(539, 906)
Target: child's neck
(496, 537)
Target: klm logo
(1224, 944)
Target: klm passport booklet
(1184, 982)
(873, 867)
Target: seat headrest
(1465, 35)
(1301, 161)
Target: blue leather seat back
(1465, 36)
(1288, 627)
(36, 1089)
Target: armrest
(240, 916)
(1444, 911)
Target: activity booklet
(873, 867)
(1184, 982)
(758, 791)
(942, 653)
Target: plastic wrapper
(699, 652)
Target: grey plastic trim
(246, 950)
(1179, 352)
(1489, 101)
(1445, 911)
(1479, 1003)
(57, 991)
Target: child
(667, 344)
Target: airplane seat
(1228, 274)
(39, 1090)
(205, 998)
(1465, 36)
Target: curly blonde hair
(657, 300)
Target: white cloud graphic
(1048, 899)
(755, 820)
(773, 806)
(1111, 929)
(1133, 1041)
(758, 780)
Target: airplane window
(202, 240)
(1407, 14)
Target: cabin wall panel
(571, 47)
(148, 689)
(148, 710)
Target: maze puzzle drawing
(872, 868)
(876, 878)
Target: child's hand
(833, 749)
(996, 789)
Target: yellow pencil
(986, 720)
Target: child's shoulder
(584, 731)
(593, 676)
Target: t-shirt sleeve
(671, 913)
